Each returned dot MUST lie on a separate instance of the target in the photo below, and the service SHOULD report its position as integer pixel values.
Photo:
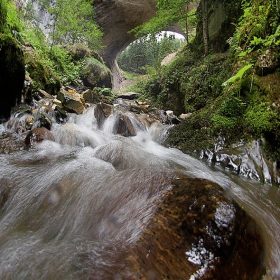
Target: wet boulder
(91, 96)
(101, 112)
(197, 232)
(38, 135)
(72, 101)
(124, 126)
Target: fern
(238, 75)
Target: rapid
(73, 207)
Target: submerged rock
(198, 233)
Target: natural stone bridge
(116, 18)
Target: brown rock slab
(198, 233)
(71, 100)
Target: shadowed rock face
(12, 71)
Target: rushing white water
(71, 207)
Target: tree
(147, 51)
(3, 15)
(73, 22)
(205, 26)
(170, 12)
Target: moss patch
(40, 73)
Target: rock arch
(116, 18)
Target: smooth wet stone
(123, 126)
(198, 233)
(101, 112)
(38, 135)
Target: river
(70, 208)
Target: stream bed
(72, 208)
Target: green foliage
(64, 67)
(188, 83)
(35, 36)
(228, 117)
(73, 22)
(147, 52)
(3, 16)
(258, 28)
(260, 118)
(242, 106)
(42, 75)
(223, 124)
(232, 107)
(238, 75)
(169, 13)
(57, 58)
(9, 20)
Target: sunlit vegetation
(148, 52)
(232, 95)
(46, 55)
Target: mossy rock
(79, 52)
(12, 73)
(41, 75)
(96, 74)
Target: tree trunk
(187, 24)
(205, 26)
